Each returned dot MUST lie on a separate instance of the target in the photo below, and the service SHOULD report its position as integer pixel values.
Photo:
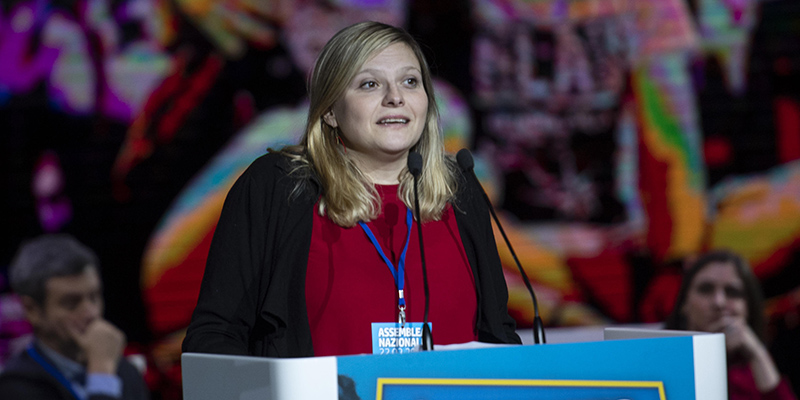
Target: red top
(742, 385)
(348, 286)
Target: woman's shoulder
(282, 168)
(461, 180)
(455, 170)
(270, 161)
(272, 165)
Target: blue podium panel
(669, 368)
(515, 389)
(662, 368)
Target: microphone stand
(415, 167)
(538, 326)
(464, 159)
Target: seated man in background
(76, 353)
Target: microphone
(415, 168)
(467, 165)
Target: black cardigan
(252, 298)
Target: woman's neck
(382, 172)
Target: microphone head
(414, 163)
(464, 160)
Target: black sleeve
(494, 286)
(227, 305)
(495, 325)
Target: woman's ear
(330, 119)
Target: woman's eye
(734, 293)
(705, 288)
(369, 85)
(411, 82)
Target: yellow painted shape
(519, 382)
(171, 246)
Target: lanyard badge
(402, 337)
(399, 272)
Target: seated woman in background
(719, 293)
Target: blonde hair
(348, 195)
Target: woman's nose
(720, 298)
(393, 97)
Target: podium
(656, 368)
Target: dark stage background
(618, 139)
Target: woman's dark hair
(752, 290)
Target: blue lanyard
(399, 273)
(52, 370)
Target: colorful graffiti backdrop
(617, 139)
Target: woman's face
(383, 110)
(716, 292)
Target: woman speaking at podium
(317, 250)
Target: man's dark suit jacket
(25, 379)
